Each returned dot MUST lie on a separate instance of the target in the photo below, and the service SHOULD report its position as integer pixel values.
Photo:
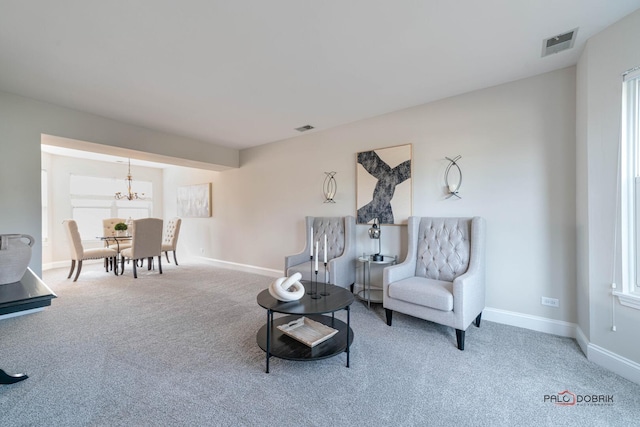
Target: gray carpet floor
(179, 349)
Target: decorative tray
(307, 331)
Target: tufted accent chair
(443, 277)
(341, 251)
(79, 253)
(170, 237)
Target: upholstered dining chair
(108, 225)
(341, 251)
(108, 229)
(79, 253)
(170, 237)
(443, 277)
(146, 243)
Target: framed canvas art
(194, 201)
(384, 185)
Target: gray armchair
(443, 277)
(341, 251)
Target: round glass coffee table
(276, 343)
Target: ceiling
(243, 73)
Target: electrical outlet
(551, 302)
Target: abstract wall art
(194, 201)
(384, 185)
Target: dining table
(116, 239)
(109, 240)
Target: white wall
(606, 56)
(59, 169)
(517, 143)
(582, 201)
(198, 236)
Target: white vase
(15, 256)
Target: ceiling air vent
(304, 128)
(559, 43)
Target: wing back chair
(443, 277)
(341, 251)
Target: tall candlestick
(316, 257)
(311, 242)
(325, 248)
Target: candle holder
(450, 188)
(310, 291)
(324, 293)
(329, 187)
(314, 294)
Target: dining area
(125, 242)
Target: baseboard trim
(582, 340)
(615, 363)
(600, 356)
(67, 263)
(242, 267)
(527, 321)
(216, 262)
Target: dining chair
(108, 230)
(146, 243)
(79, 253)
(170, 238)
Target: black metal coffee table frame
(276, 343)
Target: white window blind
(630, 183)
(92, 200)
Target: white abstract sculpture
(287, 288)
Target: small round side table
(368, 293)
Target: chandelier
(129, 195)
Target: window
(92, 199)
(630, 189)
